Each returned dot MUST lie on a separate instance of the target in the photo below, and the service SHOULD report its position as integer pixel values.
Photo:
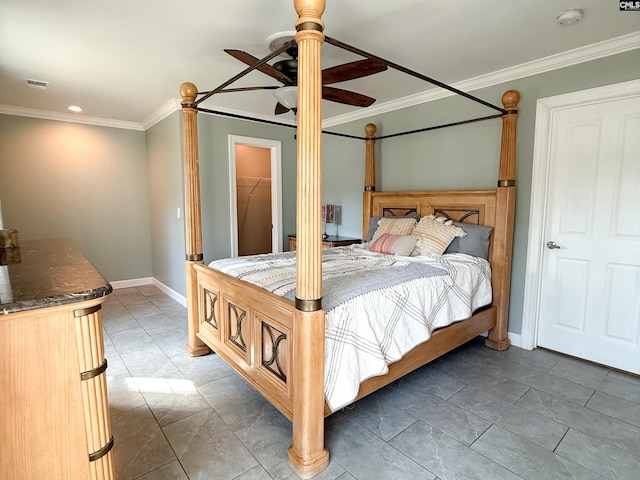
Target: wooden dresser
(330, 241)
(54, 415)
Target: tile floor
(474, 414)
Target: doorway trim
(545, 111)
(275, 146)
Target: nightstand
(331, 241)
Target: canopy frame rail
(222, 89)
(346, 135)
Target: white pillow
(394, 226)
(435, 234)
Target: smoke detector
(570, 16)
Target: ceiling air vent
(41, 84)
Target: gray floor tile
(256, 473)
(527, 459)
(481, 377)
(615, 407)
(434, 380)
(150, 362)
(139, 444)
(131, 340)
(625, 377)
(172, 471)
(516, 419)
(123, 393)
(207, 448)
(446, 417)
(446, 457)
(120, 323)
(366, 456)
(381, 417)
(268, 438)
(235, 401)
(598, 456)
(202, 370)
(604, 383)
(171, 400)
(592, 423)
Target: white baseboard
(139, 282)
(515, 339)
(134, 282)
(169, 291)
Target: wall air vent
(41, 84)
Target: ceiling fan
(286, 72)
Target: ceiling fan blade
(353, 70)
(280, 109)
(250, 60)
(345, 96)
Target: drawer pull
(102, 452)
(94, 372)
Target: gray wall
(86, 183)
(460, 157)
(213, 132)
(166, 195)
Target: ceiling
(124, 60)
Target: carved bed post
(307, 455)
(505, 218)
(369, 175)
(192, 217)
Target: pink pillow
(394, 244)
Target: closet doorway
(254, 183)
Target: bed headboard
(477, 207)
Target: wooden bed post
(192, 216)
(369, 175)
(505, 218)
(307, 455)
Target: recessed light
(74, 108)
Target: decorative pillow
(394, 244)
(435, 234)
(475, 243)
(373, 224)
(394, 226)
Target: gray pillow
(373, 224)
(475, 242)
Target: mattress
(378, 307)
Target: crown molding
(162, 113)
(553, 62)
(69, 117)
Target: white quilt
(376, 325)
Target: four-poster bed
(278, 345)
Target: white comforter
(375, 328)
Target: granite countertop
(49, 273)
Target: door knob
(552, 245)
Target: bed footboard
(251, 329)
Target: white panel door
(590, 289)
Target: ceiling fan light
(287, 96)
